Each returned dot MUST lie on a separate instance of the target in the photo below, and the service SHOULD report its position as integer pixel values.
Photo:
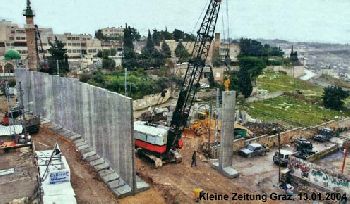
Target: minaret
(30, 33)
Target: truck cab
(281, 158)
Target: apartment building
(113, 32)
(12, 36)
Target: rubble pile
(263, 128)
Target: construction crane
(40, 49)
(166, 149)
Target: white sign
(57, 177)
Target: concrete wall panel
(103, 118)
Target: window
(11, 38)
(20, 44)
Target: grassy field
(292, 111)
(275, 81)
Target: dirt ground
(85, 182)
(176, 182)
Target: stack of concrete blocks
(99, 122)
(224, 165)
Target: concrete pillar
(227, 116)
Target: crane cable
(227, 57)
(199, 18)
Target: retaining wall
(151, 100)
(102, 118)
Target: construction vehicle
(17, 116)
(15, 142)
(304, 148)
(171, 142)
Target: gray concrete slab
(97, 162)
(104, 173)
(228, 172)
(141, 186)
(123, 191)
(92, 158)
(116, 183)
(102, 166)
(110, 177)
(88, 154)
(81, 140)
(83, 148)
(75, 137)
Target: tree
(250, 47)
(99, 35)
(253, 65)
(150, 56)
(108, 64)
(244, 82)
(166, 50)
(333, 97)
(128, 37)
(149, 48)
(178, 35)
(105, 53)
(182, 53)
(135, 35)
(156, 37)
(58, 53)
(165, 35)
(216, 60)
(130, 57)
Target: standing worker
(194, 158)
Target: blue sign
(59, 177)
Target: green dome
(12, 55)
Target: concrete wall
(152, 100)
(297, 72)
(104, 119)
(318, 176)
(262, 97)
(290, 135)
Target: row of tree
(58, 57)
(177, 35)
(150, 56)
(333, 97)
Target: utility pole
(279, 153)
(22, 107)
(125, 81)
(209, 128)
(58, 68)
(217, 116)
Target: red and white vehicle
(152, 139)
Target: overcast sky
(295, 20)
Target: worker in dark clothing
(194, 158)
